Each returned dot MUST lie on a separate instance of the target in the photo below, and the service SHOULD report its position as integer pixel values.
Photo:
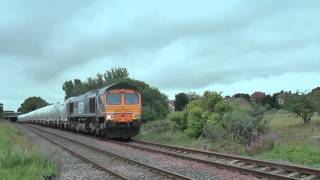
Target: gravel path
(71, 168)
(188, 168)
(116, 164)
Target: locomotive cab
(123, 105)
(123, 112)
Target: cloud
(170, 44)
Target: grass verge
(295, 142)
(18, 158)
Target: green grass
(18, 159)
(181, 139)
(296, 142)
(302, 154)
(172, 138)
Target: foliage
(301, 105)
(192, 96)
(116, 73)
(261, 143)
(198, 111)
(18, 159)
(288, 139)
(196, 119)
(179, 119)
(297, 153)
(1, 110)
(181, 100)
(270, 102)
(158, 126)
(154, 103)
(31, 104)
(315, 98)
(245, 96)
(239, 125)
(243, 123)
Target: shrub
(209, 100)
(213, 132)
(148, 113)
(180, 120)
(239, 125)
(262, 143)
(158, 126)
(196, 119)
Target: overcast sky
(228, 46)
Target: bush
(196, 119)
(148, 113)
(209, 100)
(180, 120)
(239, 125)
(213, 132)
(158, 126)
(262, 143)
(297, 153)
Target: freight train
(113, 111)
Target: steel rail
(162, 171)
(293, 171)
(95, 164)
(288, 167)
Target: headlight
(109, 117)
(137, 116)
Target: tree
(154, 103)
(301, 105)
(181, 100)
(68, 88)
(270, 101)
(31, 104)
(1, 110)
(192, 96)
(315, 97)
(117, 73)
(244, 96)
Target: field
(19, 159)
(295, 142)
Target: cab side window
(92, 105)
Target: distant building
(172, 106)
(257, 96)
(281, 97)
(11, 115)
(243, 102)
(1, 109)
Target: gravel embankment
(116, 164)
(70, 167)
(188, 168)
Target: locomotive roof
(120, 85)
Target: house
(1, 110)
(172, 106)
(281, 97)
(257, 96)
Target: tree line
(154, 103)
(303, 105)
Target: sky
(177, 46)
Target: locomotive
(113, 111)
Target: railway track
(99, 157)
(258, 168)
(80, 156)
